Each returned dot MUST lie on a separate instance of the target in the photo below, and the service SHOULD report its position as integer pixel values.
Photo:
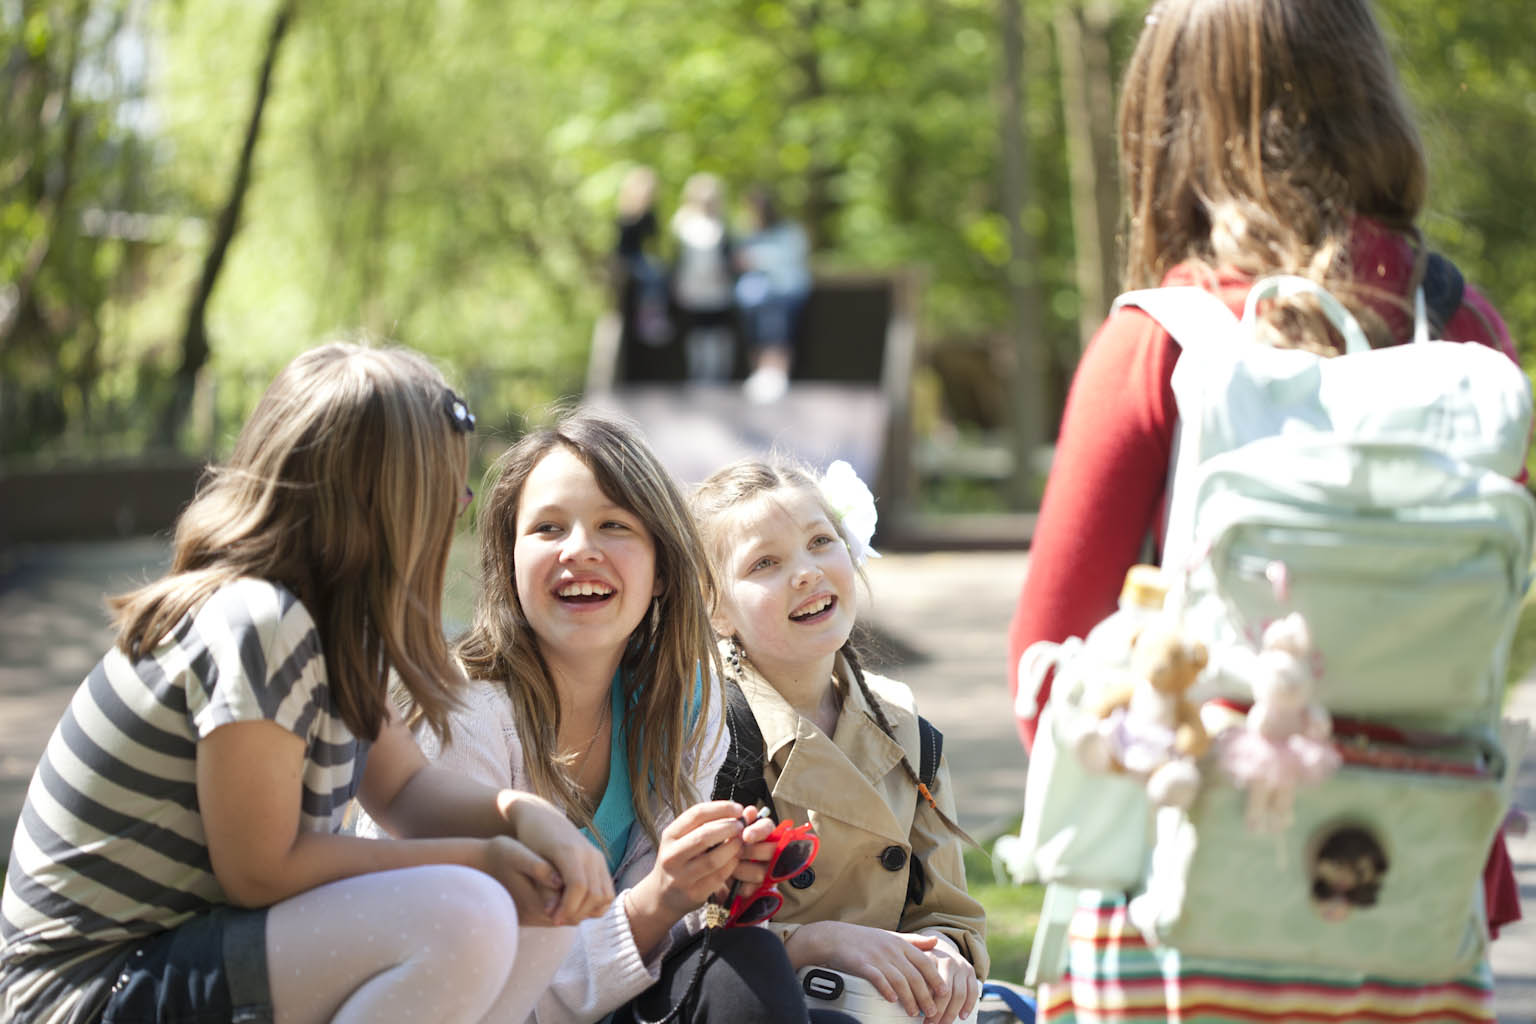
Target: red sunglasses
(794, 849)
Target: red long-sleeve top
(1105, 494)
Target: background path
(937, 621)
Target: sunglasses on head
(795, 847)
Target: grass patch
(1013, 911)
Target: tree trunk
(1026, 406)
(194, 339)
(821, 205)
(50, 192)
(1087, 91)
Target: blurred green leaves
(1468, 69)
(443, 174)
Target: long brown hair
(664, 656)
(745, 480)
(1253, 133)
(343, 487)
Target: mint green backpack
(1380, 484)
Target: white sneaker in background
(766, 384)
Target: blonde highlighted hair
(343, 487)
(1254, 132)
(665, 654)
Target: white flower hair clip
(853, 505)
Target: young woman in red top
(1256, 137)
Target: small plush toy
(1347, 870)
(1145, 725)
(1285, 741)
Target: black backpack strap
(930, 748)
(1443, 289)
(741, 776)
(931, 745)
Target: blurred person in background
(703, 280)
(771, 292)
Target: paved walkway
(937, 621)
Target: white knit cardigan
(604, 969)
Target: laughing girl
(886, 899)
(589, 635)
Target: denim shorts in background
(211, 969)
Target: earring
(734, 655)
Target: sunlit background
(190, 193)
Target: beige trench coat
(869, 817)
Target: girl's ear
(721, 622)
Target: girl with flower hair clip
(886, 898)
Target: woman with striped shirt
(178, 858)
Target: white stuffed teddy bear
(1285, 741)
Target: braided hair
(856, 670)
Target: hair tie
(922, 791)
(459, 416)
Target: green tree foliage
(1468, 68)
(404, 186)
(444, 174)
(72, 157)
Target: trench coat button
(893, 858)
(804, 879)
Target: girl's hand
(752, 867)
(527, 877)
(571, 875)
(699, 852)
(898, 964)
(960, 977)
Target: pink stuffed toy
(1285, 741)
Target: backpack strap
(1443, 290)
(1020, 1004)
(1194, 317)
(1048, 951)
(931, 746)
(1198, 322)
(930, 743)
(741, 776)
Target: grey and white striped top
(110, 846)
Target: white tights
(433, 943)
